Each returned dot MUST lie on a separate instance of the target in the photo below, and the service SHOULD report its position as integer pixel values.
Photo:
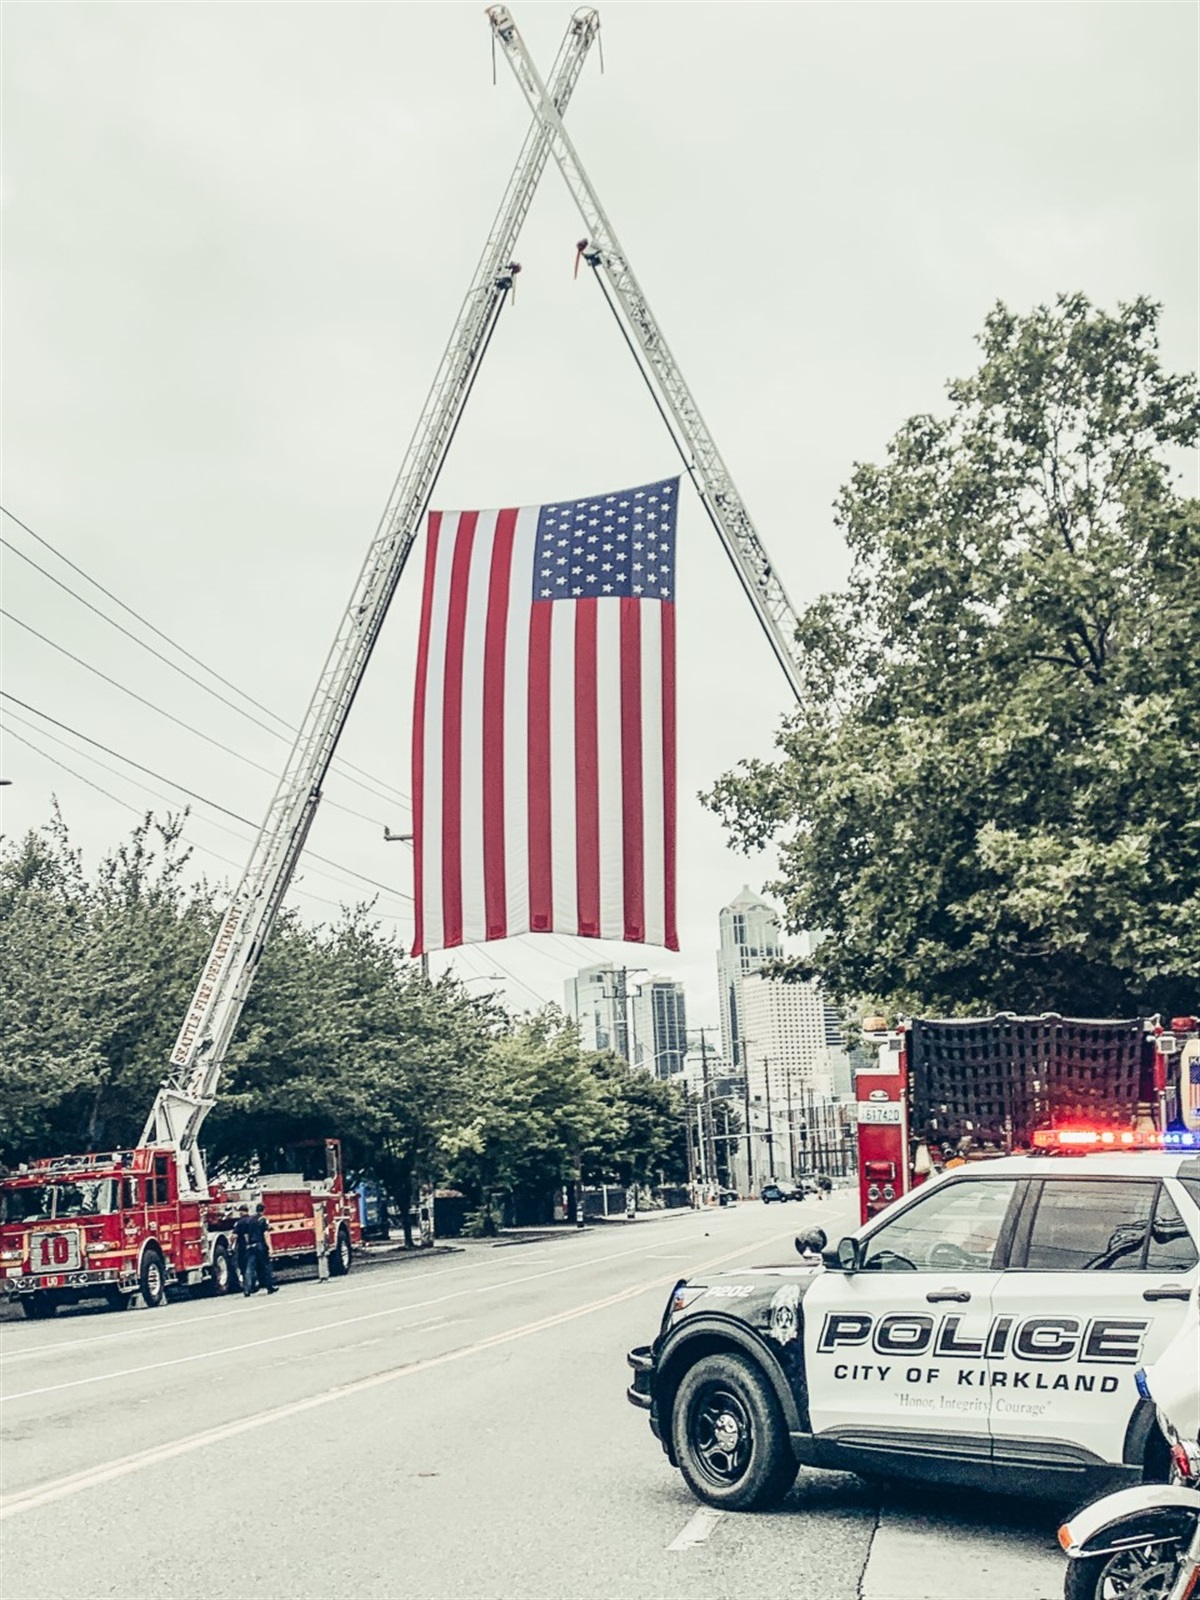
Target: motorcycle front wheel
(1143, 1572)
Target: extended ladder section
(603, 251)
(189, 1088)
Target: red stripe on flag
(495, 883)
(418, 733)
(671, 939)
(452, 917)
(541, 876)
(587, 772)
(632, 819)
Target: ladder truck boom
(189, 1087)
(603, 250)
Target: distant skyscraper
(659, 1019)
(785, 1029)
(595, 997)
(749, 937)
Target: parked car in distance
(771, 1191)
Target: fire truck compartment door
(1099, 1284)
(896, 1353)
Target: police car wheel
(1147, 1573)
(729, 1435)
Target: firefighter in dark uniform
(253, 1254)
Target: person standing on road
(254, 1254)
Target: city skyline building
(786, 1034)
(749, 937)
(595, 997)
(658, 1027)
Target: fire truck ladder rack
(189, 1088)
(602, 251)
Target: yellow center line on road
(319, 1327)
(123, 1466)
(157, 1329)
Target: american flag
(544, 722)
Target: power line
(191, 793)
(342, 763)
(158, 795)
(137, 811)
(170, 715)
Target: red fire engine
(965, 1089)
(116, 1225)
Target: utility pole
(407, 838)
(620, 997)
(770, 1130)
(791, 1116)
(749, 1136)
(707, 1101)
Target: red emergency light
(1112, 1139)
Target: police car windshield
(956, 1226)
(45, 1202)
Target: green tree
(342, 1035)
(645, 1130)
(989, 793)
(536, 1107)
(94, 976)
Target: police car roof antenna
(602, 250)
(189, 1088)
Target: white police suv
(983, 1331)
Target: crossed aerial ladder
(189, 1088)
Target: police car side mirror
(849, 1254)
(811, 1243)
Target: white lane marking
(697, 1530)
(161, 1328)
(322, 1327)
(91, 1477)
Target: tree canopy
(342, 1036)
(990, 795)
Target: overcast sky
(236, 237)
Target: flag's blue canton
(608, 547)
(1194, 1072)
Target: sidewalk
(538, 1233)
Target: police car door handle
(959, 1295)
(1169, 1291)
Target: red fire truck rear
(116, 1225)
(965, 1089)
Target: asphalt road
(441, 1427)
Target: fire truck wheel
(220, 1279)
(119, 1299)
(341, 1256)
(152, 1279)
(39, 1304)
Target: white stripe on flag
(564, 886)
(608, 769)
(516, 723)
(471, 806)
(652, 774)
(434, 701)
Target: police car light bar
(1113, 1139)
